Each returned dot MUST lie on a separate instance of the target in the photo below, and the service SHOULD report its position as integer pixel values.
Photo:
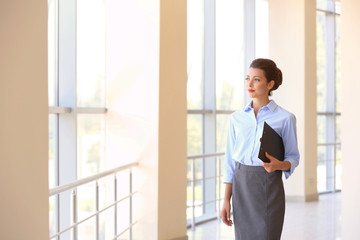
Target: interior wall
(24, 202)
(350, 129)
(292, 45)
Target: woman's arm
(225, 212)
(291, 155)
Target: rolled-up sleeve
(290, 144)
(229, 162)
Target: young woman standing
(256, 187)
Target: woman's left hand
(275, 164)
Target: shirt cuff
(228, 179)
(294, 164)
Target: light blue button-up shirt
(245, 131)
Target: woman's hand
(275, 164)
(225, 213)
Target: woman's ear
(271, 84)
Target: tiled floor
(320, 220)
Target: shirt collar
(271, 106)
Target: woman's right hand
(225, 213)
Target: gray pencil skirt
(258, 202)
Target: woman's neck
(257, 104)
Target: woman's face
(257, 85)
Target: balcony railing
(218, 184)
(73, 187)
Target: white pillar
(172, 120)
(292, 45)
(24, 201)
(350, 128)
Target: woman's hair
(272, 72)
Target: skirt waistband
(250, 168)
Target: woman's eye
(247, 79)
(257, 79)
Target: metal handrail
(65, 187)
(202, 179)
(73, 186)
(206, 155)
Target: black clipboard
(272, 143)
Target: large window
(328, 95)
(221, 45)
(77, 107)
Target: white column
(172, 120)
(24, 202)
(67, 98)
(292, 45)
(350, 128)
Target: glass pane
(219, 181)
(123, 216)
(52, 215)
(189, 195)
(338, 6)
(198, 198)
(321, 62)
(325, 168)
(338, 168)
(106, 222)
(87, 230)
(91, 144)
(338, 129)
(321, 4)
(321, 170)
(106, 191)
(321, 126)
(123, 189)
(198, 164)
(53, 142)
(52, 50)
(261, 28)
(229, 54)
(198, 189)
(222, 124)
(338, 63)
(90, 53)
(86, 195)
(330, 168)
(198, 168)
(195, 53)
(194, 134)
(326, 5)
(106, 198)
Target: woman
(256, 187)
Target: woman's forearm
(228, 191)
(285, 166)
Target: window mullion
(209, 133)
(67, 98)
(249, 37)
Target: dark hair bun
(278, 79)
